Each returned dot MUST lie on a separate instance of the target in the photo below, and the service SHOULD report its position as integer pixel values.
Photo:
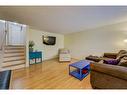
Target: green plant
(31, 44)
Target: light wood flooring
(47, 75)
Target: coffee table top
(80, 64)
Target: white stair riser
(13, 67)
(14, 58)
(14, 63)
(14, 50)
(13, 54)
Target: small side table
(80, 65)
(34, 56)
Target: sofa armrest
(112, 70)
(110, 55)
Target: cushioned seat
(5, 79)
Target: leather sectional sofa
(107, 76)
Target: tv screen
(49, 40)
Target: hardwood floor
(47, 75)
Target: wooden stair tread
(14, 48)
(12, 64)
(20, 55)
(14, 60)
(13, 52)
(17, 61)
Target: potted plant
(31, 44)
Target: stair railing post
(3, 44)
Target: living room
(79, 32)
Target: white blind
(16, 34)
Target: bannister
(2, 45)
(4, 37)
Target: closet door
(16, 34)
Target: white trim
(27, 46)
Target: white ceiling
(65, 19)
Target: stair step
(18, 47)
(13, 54)
(13, 67)
(14, 51)
(10, 59)
(13, 63)
(14, 48)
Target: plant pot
(30, 49)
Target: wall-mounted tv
(49, 40)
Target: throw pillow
(111, 61)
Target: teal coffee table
(79, 67)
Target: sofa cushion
(110, 55)
(121, 53)
(113, 70)
(123, 62)
(93, 58)
(111, 61)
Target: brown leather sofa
(106, 76)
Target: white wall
(49, 51)
(97, 41)
(2, 16)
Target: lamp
(125, 40)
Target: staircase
(14, 57)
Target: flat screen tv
(49, 40)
